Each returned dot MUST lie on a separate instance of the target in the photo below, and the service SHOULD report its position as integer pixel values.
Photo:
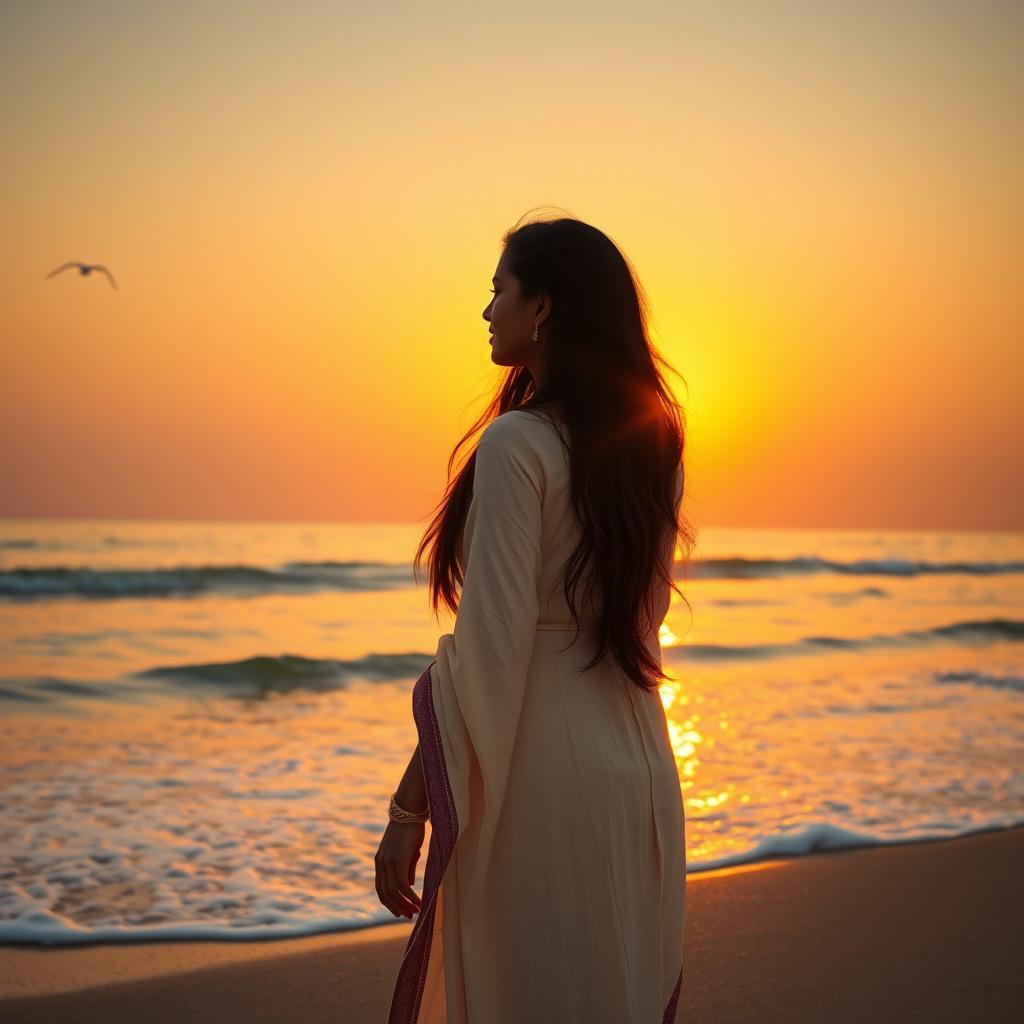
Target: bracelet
(396, 813)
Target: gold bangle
(400, 814)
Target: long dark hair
(625, 430)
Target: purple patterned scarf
(444, 824)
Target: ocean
(202, 722)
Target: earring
(534, 338)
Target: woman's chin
(501, 356)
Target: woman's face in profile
(511, 324)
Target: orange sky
(302, 205)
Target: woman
(555, 878)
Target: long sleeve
(480, 671)
(467, 705)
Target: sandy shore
(924, 932)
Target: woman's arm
(395, 860)
(411, 794)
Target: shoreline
(927, 931)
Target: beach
(913, 932)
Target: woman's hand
(396, 867)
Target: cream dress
(555, 879)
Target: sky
(303, 204)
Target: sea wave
(306, 577)
(969, 632)
(184, 581)
(261, 675)
(982, 679)
(258, 676)
(74, 543)
(32, 582)
(271, 917)
(823, 836)
(284, 673)
(735, 568)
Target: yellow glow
(666, 637)
(303, 229)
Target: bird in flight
(85, 269)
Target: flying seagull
(85, 269)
